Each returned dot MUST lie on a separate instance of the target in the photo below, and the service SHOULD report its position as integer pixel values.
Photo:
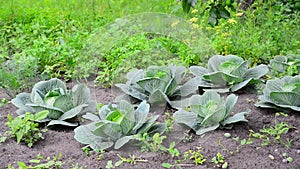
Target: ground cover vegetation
(256, 45)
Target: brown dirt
(247, 156)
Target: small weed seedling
(273, 133)
(41, 163)
(132, 160)
(286, 158)
(169, 122)
(172, 150)
(3, 102)
(219, 161)
(153, 144)
(88, 152)
(24, 128)
(196, 156)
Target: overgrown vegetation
(43, 40)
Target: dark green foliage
(25, 129)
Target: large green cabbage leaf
(230, 72)
(281, 93)
(117, 125)
(209, 111)
(157, 85)
(52, 95)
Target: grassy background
(43, 38)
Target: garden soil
(61, 140)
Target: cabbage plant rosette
(157, 85)
(117, 125)
(281, 93)
(52, 95)
(229, 73)
(208, 112)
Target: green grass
(44, 38)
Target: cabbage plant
(209, 111)
(52, 95)
(281, 93)
(228, 72)
(117, 125)
(158, 84)
(285, 65)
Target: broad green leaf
(36, 97)
(41, 115)
(122, 141)
(135, 75)
(184, 117)
(222, 78)
(215, 61)
(141, 114)
(239, 86)
(159, 128)
(256, 72)
(115, 116)
(80, 94)
(242, 68)
(132, 91)
(109, 130)
(171, 87)
(158, 97)
(235, 118)
(230, 103)
(72, 113)
(203, 130)
(286, 98)
(152, 84)
(178, 73)
(228, 67)
(189, 87)
(46, 86)
(92, 117)
(63, 123)
(85, 136)
(64, 102)
(21, 100)
(146, 126)
(198, 70)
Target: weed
(219, 161)
(196, 156)
(153, 144)
(169, 122)
(132, 160)
(273, 134)
(25, 129)
(41, 163)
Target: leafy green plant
(209, 111)
(153, 144)
(172, 150)
(228, 72)
(285, 65)
(158, 84)
(169, 122)
(24, 128)
(3, 102)
(281, 93)
(273, 134)
(219, 161)
(17, 74)
(52, 95)
(117, 125)
(196, 156)
(41, 163)
(129, 50)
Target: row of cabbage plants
(194, 95)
